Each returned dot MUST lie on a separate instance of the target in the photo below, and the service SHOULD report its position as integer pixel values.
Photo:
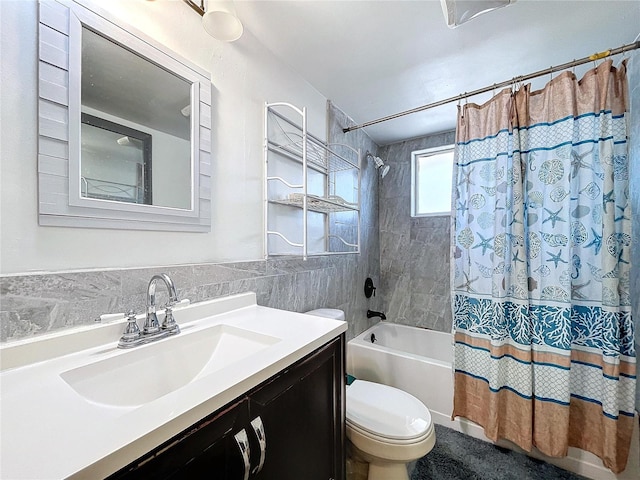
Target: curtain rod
(522, 78)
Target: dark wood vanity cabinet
(291, 427)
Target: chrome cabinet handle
(258, 428)
(243, 444)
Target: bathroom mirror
(124, 126)
(135, 130)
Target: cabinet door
(207, 450)
(302, 413)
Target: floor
(460, 457)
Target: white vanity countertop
(48, 431)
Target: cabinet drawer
(205, 450)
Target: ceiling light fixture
(219, 19)
(457, 12)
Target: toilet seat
(387, 414)
(390, 441)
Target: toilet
(387, 427)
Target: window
(431, 176)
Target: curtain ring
(550, 73)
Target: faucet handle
(131, 332)
(169, 323)
(132, 324)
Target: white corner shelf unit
(312, 188)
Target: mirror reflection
(136, 128)
(116, 162)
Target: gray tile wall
(41, 303)
(414, 251)
(368, 262)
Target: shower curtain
(541, 236)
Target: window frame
(415, 155)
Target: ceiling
(377, 58)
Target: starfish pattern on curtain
(541, 237)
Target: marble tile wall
(34, 304)
(368, 263)
(414, 252)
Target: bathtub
(412, 359)
(419, 361)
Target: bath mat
(457, 456)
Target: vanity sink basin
(135, 377)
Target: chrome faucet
(152, 329)
(151, 325)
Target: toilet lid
(386, 411)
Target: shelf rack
(311, 188)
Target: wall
(244, 75)
(368, 264)
(53, 278)
(33, 304)
(414, 252)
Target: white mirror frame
(60, 203)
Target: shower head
(379, 163)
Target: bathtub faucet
(371, 313)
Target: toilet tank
(328, 313)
